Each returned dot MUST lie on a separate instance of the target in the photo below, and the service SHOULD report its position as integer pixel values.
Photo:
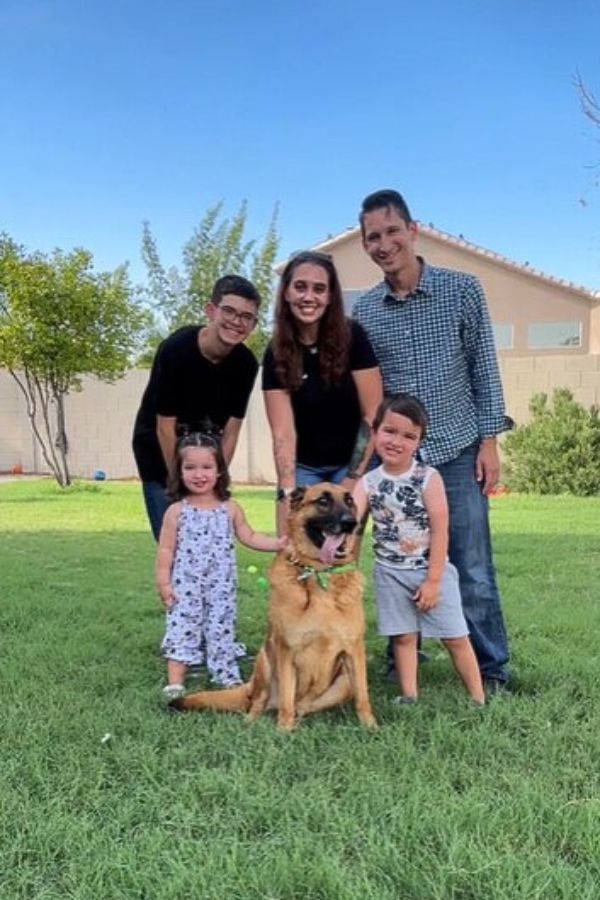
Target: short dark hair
(403, 405)
(234, 284)
(176, 489)
(385, 199)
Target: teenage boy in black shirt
(201, 379)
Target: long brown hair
(334, 328)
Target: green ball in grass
(262, 582)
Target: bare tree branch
(588, 103)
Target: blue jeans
(470, 550)
(156, 500)
(307, 475)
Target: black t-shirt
(184, 384)
(326, 419)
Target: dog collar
(322, 575)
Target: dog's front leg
(286, 678)
(358, 674)
(261, 685)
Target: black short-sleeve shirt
(326, 419)
(184, 384)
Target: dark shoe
(495, 687)
(390, 675)
(390, 671)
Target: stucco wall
(100, 418)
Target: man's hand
(487, 465)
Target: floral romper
(201, 622)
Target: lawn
(444, 801)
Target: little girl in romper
(195, 565)
(416, 587)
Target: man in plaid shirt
(431, 332)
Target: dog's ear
(296, 497)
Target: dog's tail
(236, 699)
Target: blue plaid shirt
(437, 344)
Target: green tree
(59, 320)
(217, 247)
(558, 451)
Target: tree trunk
(61, 443)
(37, 398)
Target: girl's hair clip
(198, 439)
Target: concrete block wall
(527, 375)
(99, 425)
(100, 417)
(16, 441)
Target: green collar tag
(322, 575)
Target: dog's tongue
(329, 548)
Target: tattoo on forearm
(285, 462)
(360, 448)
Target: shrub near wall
(558, 451)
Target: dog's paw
(369, 721)
(286, 723)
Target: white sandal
(173, 691)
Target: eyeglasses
(248, 320)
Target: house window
(503, 336)
(554, 335)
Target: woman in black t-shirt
(321, 381)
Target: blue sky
(119, 111)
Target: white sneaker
(402, 700)
(173, 691)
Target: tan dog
(313, 657)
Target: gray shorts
(396, 610)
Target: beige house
(547, 330)
(547, 334)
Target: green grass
(445, 801)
